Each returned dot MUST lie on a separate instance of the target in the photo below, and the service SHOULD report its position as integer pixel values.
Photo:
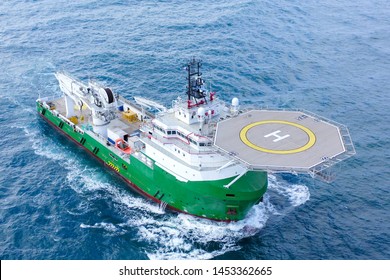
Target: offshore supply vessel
(201, 156)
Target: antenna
(195, 87)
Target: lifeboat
(123, 146)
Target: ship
(202, 156)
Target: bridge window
(160, 129)
(171, 132)
(204, 144)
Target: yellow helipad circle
(309, 144)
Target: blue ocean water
(331, 58)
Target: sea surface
(329, 57)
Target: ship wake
(187, 237)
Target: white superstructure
(203, 139)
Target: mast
(195, 89)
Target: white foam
(295, 193)
(87, 179)
(188, 237)
(107, 227)
(43, 146)
(81, 208)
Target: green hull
(208, 199)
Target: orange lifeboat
(123, 146)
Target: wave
(296, 194)
(187, 237)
